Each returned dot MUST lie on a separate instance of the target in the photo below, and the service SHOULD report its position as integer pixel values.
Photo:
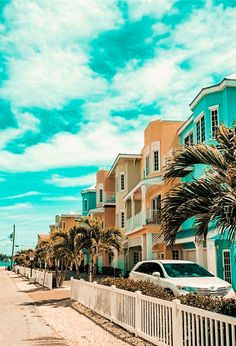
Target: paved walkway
(31, 316)
(20, 322)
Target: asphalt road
(20, 322)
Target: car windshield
(188, 270)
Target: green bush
(145, 287)
(210, 303)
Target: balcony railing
(153, 217)
(109, 197)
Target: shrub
(111, 271)
(214, 304)
(210, 303)
(145, 287)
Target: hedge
(210, 303)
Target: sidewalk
(68, 325)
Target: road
(31, 316)
(20, 322)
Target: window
(147, 164)
(63, 225)
(122, 219)
(136, 257)
(149, 268)
(188, 140)
(162, 255)
(214, 122)
(100, 195)
(200, 124)
(156, 160)
(122, 182)
(156, 210)
(175, 254)
(85, 205)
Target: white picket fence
(40, 276)
(159, 321)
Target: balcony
(153, 218)
(109, 198)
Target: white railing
(159, 321)
(135, 223)
(40, 276)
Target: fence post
(113, 303)
(94, 295)
(137, 312)
(71, 288)
(177, 323)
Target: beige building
(142, 201)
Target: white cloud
(61, 181)
(155, 8)
(26, 122)
(50, 40)
(206, 48)
(96, 144)
(50, 79)
(63, 198)
(16, 206)
(22, 195)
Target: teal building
(88, 200)
(212, 106)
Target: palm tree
(96, 240)
(22, 257)
(212, 197)
(68, 246)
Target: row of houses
(129, 195)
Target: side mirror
(156, 275)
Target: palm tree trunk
(90, 276)
(77, 265)
(94, 267)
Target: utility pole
(13, 244)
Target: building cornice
(123, 156)
(211, 89)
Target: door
(156, 210)
(227, 266)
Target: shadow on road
(55, 303)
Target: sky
(80, 80)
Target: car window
(156, 268)
(149, 268)
(188, 270)
(143, 268)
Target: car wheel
(169, 292)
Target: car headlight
(187, 288)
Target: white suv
(180, 277)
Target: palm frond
(180, 163)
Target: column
(143, 192)
(144, 247)
(149, 246)
(211, 256)
(200, 253)
(132, 210)
(115, 259)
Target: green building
(212, 106)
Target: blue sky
(79, 81)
